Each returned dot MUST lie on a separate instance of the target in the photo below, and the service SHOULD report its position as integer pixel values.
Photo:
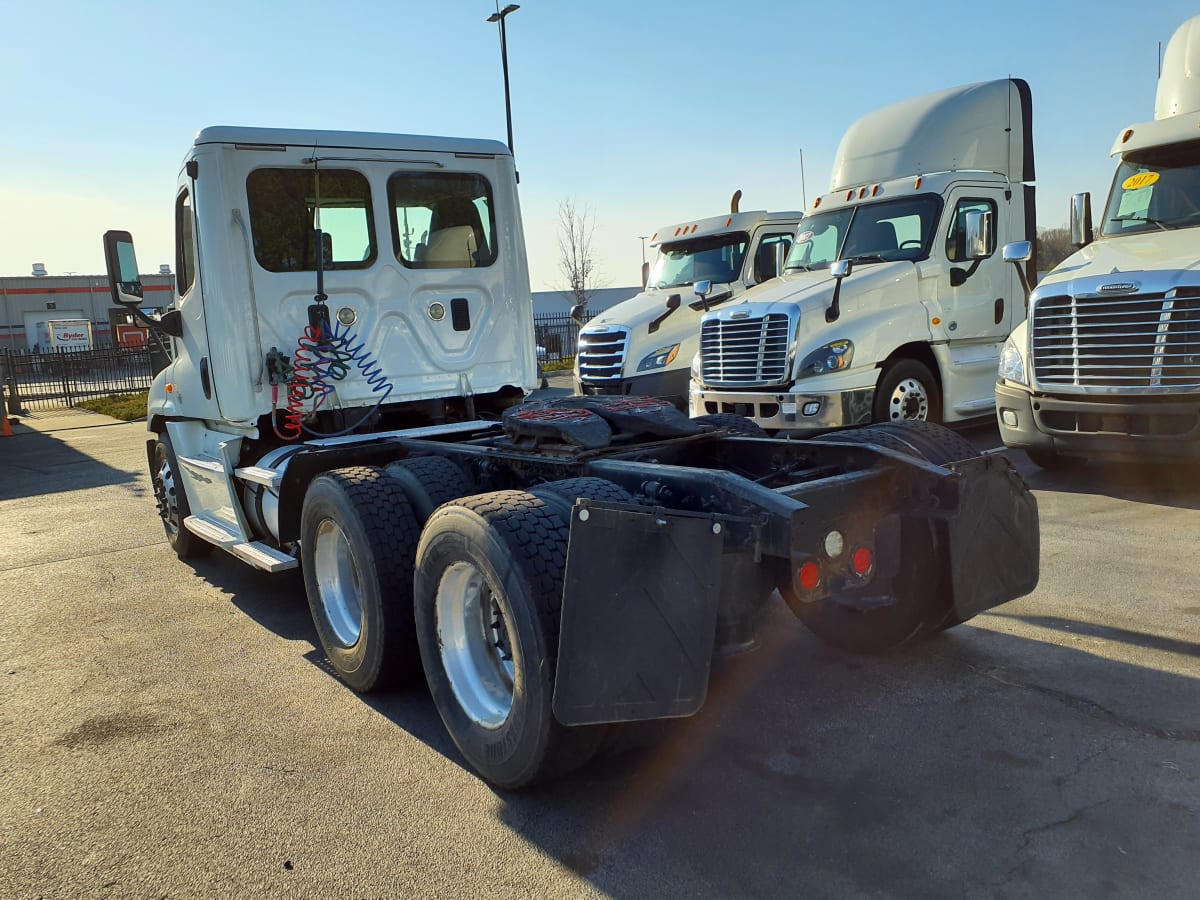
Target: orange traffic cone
(6, 430)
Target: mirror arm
(834, 312)
(1024, 281)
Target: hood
(649, 304)
(1163, 258)
(814, 290)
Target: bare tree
(575, 254)
(1053, 246)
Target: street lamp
(499, 16)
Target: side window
(955, 234)
(442, 220)
(287, 204)
(185, 247)
(771, 249)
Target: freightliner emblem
(1118, 287)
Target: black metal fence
(557, 337)
(35, 380)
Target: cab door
(192, 368)
(768, 249)
(975, 295)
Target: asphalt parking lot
(169, 729)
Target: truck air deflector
(637, 642)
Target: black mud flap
(639, 614)
(995, 540)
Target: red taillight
(809, 575)
(862, 562)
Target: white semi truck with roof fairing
(895, 300)
(353, 352)
(644, 346)
(1108, 364)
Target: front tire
(172, 501)
(358, 536)
(489, 579)
(908, 390)
(1050, 461)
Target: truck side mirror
(841, 268)
(1018, 253)
(578, 312)
(645, 274)
(119, 260)
(978, 227)
(702, 289)
(1081, 219)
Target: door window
(185, 252)
(772, 247)
(956, 233)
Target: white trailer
(1108, 365)
(923, 194)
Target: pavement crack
(1028, 834)
(54, 562)
(1096, 710)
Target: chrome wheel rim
(166, 495)
(475, 645)
(909, 400)
(338, 582)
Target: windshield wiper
(1165, 226)
(865, 257)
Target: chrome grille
(745, 352)
(601, 354)
(1136, 341)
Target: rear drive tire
(430, 481)
(489, 582)
(359, 536)
(907, 390)
(734, 423)
(172, 501)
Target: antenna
(803, 190)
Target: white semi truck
(895, 300)
(353, 345)
(1108, 364)
(644, 346)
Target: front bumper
(671, 385)
(788, 411)
(1121, 428)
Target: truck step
(268, 478)
(256, 553)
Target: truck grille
(1135, 342)
(745, 352)
(601, 354)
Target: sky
(641, 112)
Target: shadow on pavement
(37, 463)
(1161, 484)
(980, 763)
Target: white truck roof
(946, 131)
(1177, 101)
(360, 140)
(739, 221)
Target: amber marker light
(816, 202)
(1127, 135)
(874, 190)
(917, 183)
(728, 221)
(936, 320)
(169, 388)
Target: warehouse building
(29, 306)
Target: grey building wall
(25, 298)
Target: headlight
(833, 357)
(661, 357)
(1012, 364)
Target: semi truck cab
(1108, 365)
(895, 299)
(645, 345)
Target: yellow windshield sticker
(1140, 180)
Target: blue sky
(644, 113)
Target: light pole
(499, 16)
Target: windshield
(1155, 189)
(717, 258)
(873, 232)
